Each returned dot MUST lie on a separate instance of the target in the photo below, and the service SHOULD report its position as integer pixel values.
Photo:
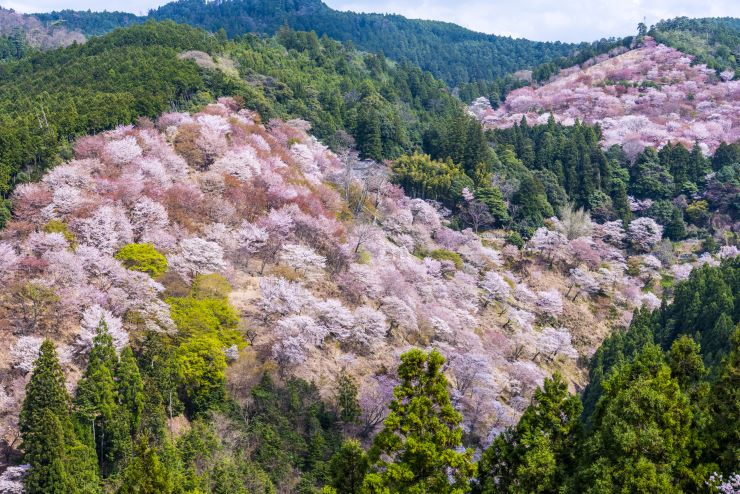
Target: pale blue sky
(565, 20)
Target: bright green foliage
(58, 226)
(206, 317)
(349, 408)
(146, 474)
(130, 388)
(491, 196)
(201, 373)
(347, 468)
(421, 176)
(416, 451)
(641, 431)
(142, 257)
(45, 452)
(537, 454)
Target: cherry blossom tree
(549, 304)
(303, 260)
(92, 318)
(494, 287)
(108, 229)
(583, 283)
(644, 234)
(198, 256)
(548, 243)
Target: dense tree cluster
(50, 98)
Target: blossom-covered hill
(647, 96)
(329, 268)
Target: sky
(543, 20)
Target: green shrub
(144, 258)
(446, 255)
(206, 316)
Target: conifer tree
(723, 431)
(347, 468)
(349, 408)
(537, 454)
(45, 391)
(641, 431)
(417, 449)
(96, 404)
(45, 453)
(130, 389)
(146, 473)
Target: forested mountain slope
(647, 96)
(713, 41)
(49, 98)
(20, 34)
(234, 262)
(450, 52)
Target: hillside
(647, 96)
(352, 99)
(713, 41)
(450, 52)
(21, 33)
(316, 294)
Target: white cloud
(565, 20)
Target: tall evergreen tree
(130, 389)
(45, 453)
(641, 431)
(349, 408)
(96, 404)
(417, 449)
(538, 454)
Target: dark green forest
(450, 52)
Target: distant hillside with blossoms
(646, 96)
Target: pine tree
(417, 449)
(349, 408)
(537, 454)
(130, 389)
(347, 468)
(45, 453)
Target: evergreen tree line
(660, 415)
(542, 168)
